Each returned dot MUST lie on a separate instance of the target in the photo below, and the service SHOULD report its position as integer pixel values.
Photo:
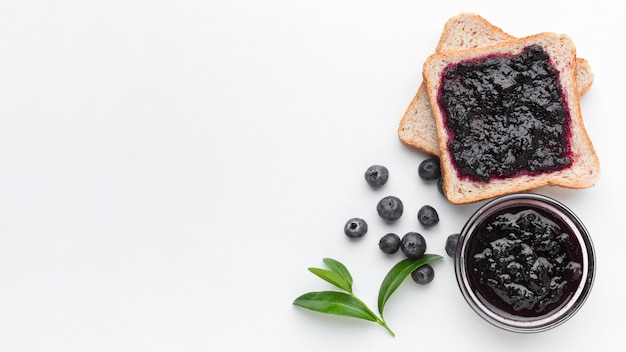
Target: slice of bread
(464, 31)
(584, 76)
(584, 169)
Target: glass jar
(525, 263)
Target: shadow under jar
(525, 263)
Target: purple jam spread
(505, 115)
(524, 262)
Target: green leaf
(340, 269)
(337, 303)
(332, 277)
(338, 274)
(397, 274)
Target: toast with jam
(508, 118)
(465, 31)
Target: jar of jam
(525, 262)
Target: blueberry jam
(506, 115)
(524, 262)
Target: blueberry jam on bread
(505, 115)
(464, 31)
(508, 118)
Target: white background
(170, 169)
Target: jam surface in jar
(524, 262)
(505, 116)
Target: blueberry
(389, 243)
(423, 275)
(440, 185)
(376, 175)
(413, 245)
(390, 208)
(427, 216)
(429, 169)
(451, 242)
(355, 228)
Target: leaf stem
(384, 325)
(379, 319)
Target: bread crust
(585, 168)
(465, 31)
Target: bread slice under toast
(584, 169)
(464, 31)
